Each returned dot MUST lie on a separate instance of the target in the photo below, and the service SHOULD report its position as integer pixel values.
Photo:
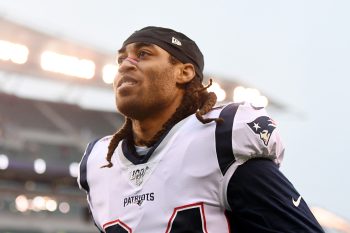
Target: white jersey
(180, 185)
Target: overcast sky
(296, 51)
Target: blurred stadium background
(51, 95)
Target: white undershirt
(142, 150)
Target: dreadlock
(196, 100)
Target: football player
(178, 164)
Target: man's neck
(144, 130)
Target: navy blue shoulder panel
(223, 137)
(262, 199)
(83, 169)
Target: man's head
(159, 69)
(154, 64)
(175, 43)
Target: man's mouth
(126, 81)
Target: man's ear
(187, 73)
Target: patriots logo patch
(264, 126)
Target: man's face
(146, 81)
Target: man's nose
(128, 63)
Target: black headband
(175, 43)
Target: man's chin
(130, 109)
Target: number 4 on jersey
(185, 219)
(188, 218)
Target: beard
(153, 96)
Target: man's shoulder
(98, 142)
(103, 140)
(215, 111)
(230, 109)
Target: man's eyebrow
(137, 46)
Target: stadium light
(109, 72)
(260, 101)
(51, 205)
(22, 203)
(64, 207)
(39, 166)
(68, 65)
(17, 53)
(38, 203)
(220, 93)
(251, 95)
(239, 94)
(4, 162)
(74, 169)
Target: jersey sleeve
(82, 175)
(247, 132)
(263, 200)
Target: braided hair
(196, 100)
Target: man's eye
(141, 54)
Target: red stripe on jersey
(228, 222)
(115, 222)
